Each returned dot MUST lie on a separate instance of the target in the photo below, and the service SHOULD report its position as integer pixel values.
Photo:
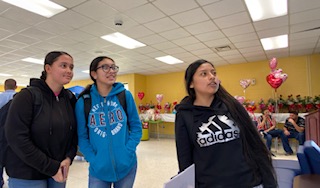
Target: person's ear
(94, 74)
(191, 85)
(47, 68)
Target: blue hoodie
(106, 142)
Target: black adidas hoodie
(209, 138)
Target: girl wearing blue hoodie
(109, 136)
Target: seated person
(267, 127)
(294, 127)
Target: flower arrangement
(299, 102)
(167, 107)
(308, 103)
(271, 105)
(250, 106)
(291, 102)
(262, 104)
(302, 104)
(316, 101)
(174, 107)
(281, 103)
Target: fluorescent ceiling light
(275, 42)
(123, 40)
(85, 71)
(169, 59)
(264, 9)
(44, 8)
(33, 60)
(3, 74)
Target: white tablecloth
(280, 117)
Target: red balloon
(273, 81)
(140, 95)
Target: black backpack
(37, 100)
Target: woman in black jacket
(42, 138)
(215, 132)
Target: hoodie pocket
(124, 159)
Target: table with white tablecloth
(280, 117)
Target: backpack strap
(72, 98)
(37, 100)
(122, 99)
(87, 105)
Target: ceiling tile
(95, 10)
(190, 17)
(72, 19)
(238, 30)
(163, 24)
(145, 13)
(210, 36)
(23, 39)
(69, 3)
(97, 29)
(271, 23)
(123, 5)
(12, 26)
(273, 32)
(170, 7)
(186, 41)
(22, 16)
(54, 27)
(152, 39)
(202, 27)
(244, 37)
(195, 47)
(224, 8)
(218, 42)
(305, 16)
(233, 20)
(299, 6)
(305, 26)
(175, 34)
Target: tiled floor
(157, 163)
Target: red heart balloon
(274, 82)
(140, 95)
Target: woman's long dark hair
(255, 151)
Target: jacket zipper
(110, 147)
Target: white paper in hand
(185, 179)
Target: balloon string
(276, 99)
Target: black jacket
(36, 147)
(209, 138)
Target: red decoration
(274, 82)
(140, 95)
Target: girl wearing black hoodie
(42, 147)
(215, 132)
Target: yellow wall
(17, 90)
(171, 85)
